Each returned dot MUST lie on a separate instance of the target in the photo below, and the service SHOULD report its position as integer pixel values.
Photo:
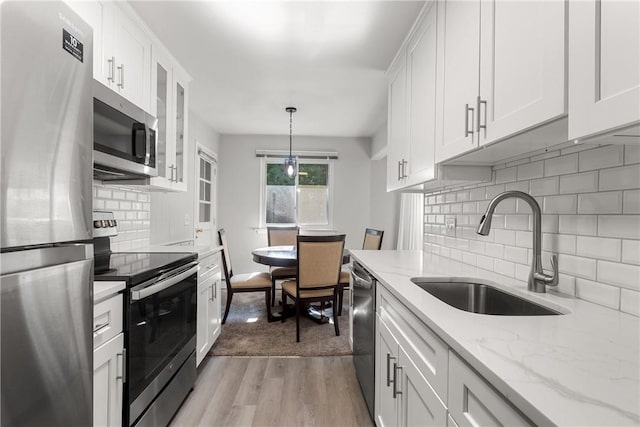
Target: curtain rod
(301, 154)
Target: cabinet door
(108, 367)
(458, 77)
(386, 403)
(203, 343)
(180, 100)
(99, 15)
(215, 319)
(421, 92)
(604, 66)
(522, 66)
(419, 404)
(161, 90)
(473, 402)
(132, 52)
(397, 123)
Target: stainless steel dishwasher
(364, 321)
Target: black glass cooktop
(136, 267)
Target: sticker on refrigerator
(72, 45)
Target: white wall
(172, 214)
(590, 200)
(239, 189)
(384, 206)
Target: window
(304, 199)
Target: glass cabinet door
(162, 103)
(180, 134)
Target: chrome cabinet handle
(395, 380)
(123, 372)
(212, 291)
(467, 132)
(479, 103)
(389, 358)
(111, 77)
(121, 69)
(399, 170)
(96, 328)
(404, 168)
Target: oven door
(162, 330)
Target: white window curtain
(411, 221)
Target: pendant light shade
(290, 165)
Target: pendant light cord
(290, 132)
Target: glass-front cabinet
(170, 107)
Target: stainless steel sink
(481, 298)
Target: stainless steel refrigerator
(46, 271)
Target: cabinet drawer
(209, 266)
(425, 348)
(472, 401)
(107, 320)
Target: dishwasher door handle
(361, 282)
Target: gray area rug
(247, 332)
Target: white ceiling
(251, 59)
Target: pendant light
(290, 166)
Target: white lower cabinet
(208, 308)
(108, 381)
(421, 382)
(108, 361)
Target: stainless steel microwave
(124, 138)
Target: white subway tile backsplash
(623, 275)
(631, 202)
(544, 187)
(590, 198)
(111, 204)
(131, 208)
(102, 193)
(622, 178)
(602, 157)
(631, 154)
(631, 251)
(598, 293)
(577, 266)
(561, 165)
(530, 171)
(506, 175)
(630, 302)
(599, 248)
(578, 224)
(609, 202)
(623, 226)
(560, 204)
(585, 182)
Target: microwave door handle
(139, 143)
(138, 294)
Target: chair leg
(284, 306)
(335, 313)
(340, 299)
(273, 291)
(267, 298)
(297, 320)
(226, 310)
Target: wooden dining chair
(281, 236)
(318, 274)
(247, 282)
(372, 241)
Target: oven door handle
(138, 294)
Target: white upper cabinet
(122, 49)
(458, 70)
(398, 150)
(604, 69)
(501, 72)
(522, 67)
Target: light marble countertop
(576, 369)
(201, 250)
(101, 290)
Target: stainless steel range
(160, 324)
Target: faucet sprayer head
(485, 224)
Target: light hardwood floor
(275, 391)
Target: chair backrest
(319, 261)
(226, 259)
(372, 239)
(282, 236)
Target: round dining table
(284, 256)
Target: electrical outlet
(450, 225)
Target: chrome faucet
(537, 278)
